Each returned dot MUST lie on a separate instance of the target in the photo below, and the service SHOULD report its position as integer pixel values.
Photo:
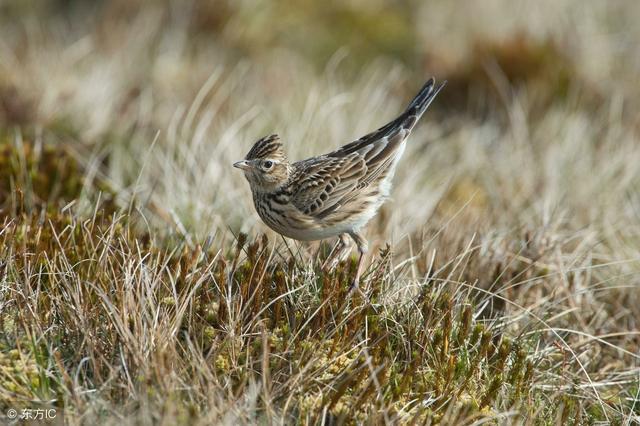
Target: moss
(233, 313)
(24, 375)
(37, 177)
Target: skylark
(334, 194)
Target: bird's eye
(267, 164)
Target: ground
(138, 285)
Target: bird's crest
(267, 147)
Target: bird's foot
(355, 288)
(337, 255)
(330, 264)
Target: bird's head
(265, 166)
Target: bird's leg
(363, 248)
(336, 254)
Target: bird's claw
(355, 288)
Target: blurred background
(540, 95)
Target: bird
(334, 194)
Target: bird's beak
(244, 165)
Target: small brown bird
(334, 194)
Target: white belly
(319, 231)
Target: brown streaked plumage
(334, 194)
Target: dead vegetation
(137, 285)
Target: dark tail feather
(406, 120)
(421, 102)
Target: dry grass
(138, 286)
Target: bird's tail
(421, 102)
(405, 121)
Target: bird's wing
(326, 183)
(322, 182)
